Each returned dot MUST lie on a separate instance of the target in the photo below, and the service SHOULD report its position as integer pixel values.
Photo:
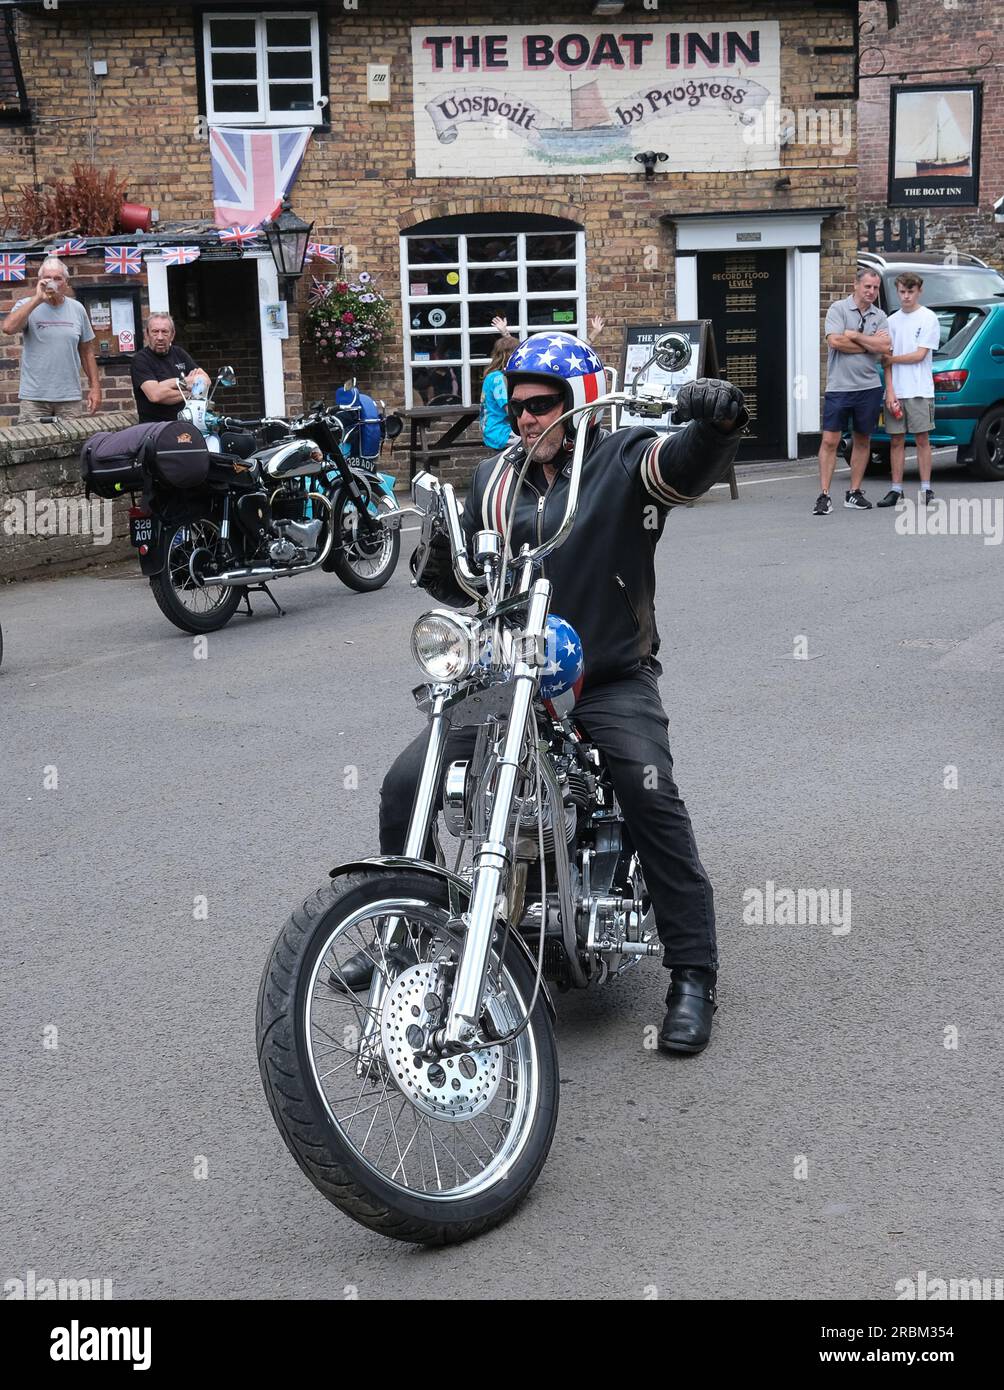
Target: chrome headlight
(446, 645)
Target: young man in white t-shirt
(909, 385)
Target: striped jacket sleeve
(678, 467)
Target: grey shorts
(918, 416)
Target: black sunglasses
(536, 405)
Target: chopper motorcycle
(423, 1104)
(230, 505)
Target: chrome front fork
(491, 859)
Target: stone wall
(46, 524)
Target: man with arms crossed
(909, 381)
(856, 335)
(157, 370)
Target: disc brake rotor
(452, 1088)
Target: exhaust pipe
(264, 574)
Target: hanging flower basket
(347, 321)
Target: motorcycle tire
(200, 610)
(295, 977)
(360, 564)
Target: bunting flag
(76, 247)
(12, 267)
(253, 170)
(238, 235)
(323, 251)
(319, 290)
(180, 255)
(123, 260)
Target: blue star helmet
(561, 360)
(561, 680)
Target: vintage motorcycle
(423, 1104)
(230, 505)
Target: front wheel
(988, 447)
(430, 1152)
(364, 559)
(183, 590)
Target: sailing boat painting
(936, 139)
(593, 137)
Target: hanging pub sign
(934, 145)
(558, 99)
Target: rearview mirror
(227, 377)
(672, 352)
(393, 425)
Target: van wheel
(988, 447)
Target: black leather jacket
(604, 574)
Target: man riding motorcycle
(604, 585)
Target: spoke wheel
(183, 592)
(364, 560)
(421, 1148)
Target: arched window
(458, 273)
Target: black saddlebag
(172, 453)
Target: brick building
(479, 160)
(944, 56)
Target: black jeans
(626, 721)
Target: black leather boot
(692, 1004)
(355, 975)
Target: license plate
(141, 530)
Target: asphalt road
(225, 777)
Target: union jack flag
(319, 290)
(76, 247)
(123, 260)
(323, 251)
(238, 234)
(12, 267)
(253, 170)
(180, 255)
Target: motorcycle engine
(297, 538)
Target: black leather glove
(717, 402)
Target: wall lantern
(287, 238)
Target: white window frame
(264, 115)
(576, 297)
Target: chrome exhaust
(264, 574)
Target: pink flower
(348, 318)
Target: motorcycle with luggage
(405, 1026)
(222, 506)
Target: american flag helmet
(563, 360)
(561, 678)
